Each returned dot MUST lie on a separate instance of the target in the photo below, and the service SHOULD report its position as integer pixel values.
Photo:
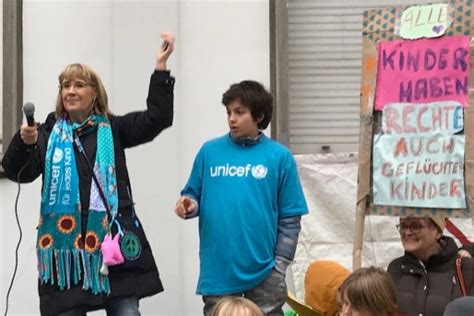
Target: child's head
(321, 283)
(236, 306)
(368, 292)
(251, 96)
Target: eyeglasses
(78, 85)
(414, 227)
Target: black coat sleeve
(21, 156)
(31, 157)
(139, 127)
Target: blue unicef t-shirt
(242, 190)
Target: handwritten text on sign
(418, 162)
(424, 21)
(424, 70)
(423, 119)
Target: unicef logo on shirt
(58, 155)
(259, 171)
(244, 171)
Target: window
(11, 66)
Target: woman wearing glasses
(425, 276)
(79, 152)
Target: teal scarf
(63, 256)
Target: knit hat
(439, 221)
(321, 283)
(463, 306)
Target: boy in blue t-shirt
(246, 191)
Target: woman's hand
(164, 51)
(29, 134)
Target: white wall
(218, 43)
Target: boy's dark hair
(254, 96)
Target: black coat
(135, 128)
(426, 288)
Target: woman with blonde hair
(368, 292)
(236, 306)
(79, 153)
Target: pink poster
(422, 71)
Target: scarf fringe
(84, 264)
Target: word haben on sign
(422, 71)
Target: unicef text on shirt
(258, 171)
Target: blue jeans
(269, 295)
(116, 307)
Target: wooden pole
(358, 235)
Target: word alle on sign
(417, 16)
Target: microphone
(29, 110)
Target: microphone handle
(30, 120)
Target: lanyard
(80, 148)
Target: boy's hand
(184, 207)
(29, 134)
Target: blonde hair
(86, 73)
(236, 306)
(371, 290)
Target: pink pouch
(111, 253)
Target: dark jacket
(140, 278)
(426, 288)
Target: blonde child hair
(369, 290)
(236, 306)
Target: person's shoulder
(409, 265)
(211, 146)
(49, 122)
(395, 262)
(276, 145)
(216, 141)
(278, 150)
